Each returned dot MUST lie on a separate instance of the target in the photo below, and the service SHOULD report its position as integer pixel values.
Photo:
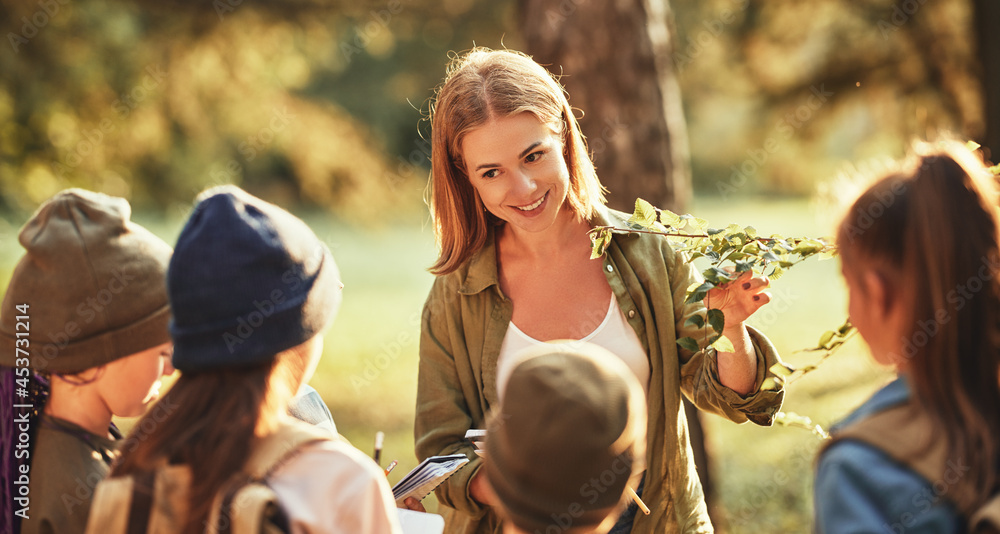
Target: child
(251, 289)
(91, 288)
(568, 437)
(920, 252)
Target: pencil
(391, 465)
(638, 501)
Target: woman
(513, 195)
(920, 251)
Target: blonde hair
(480, 85)
(928, 229)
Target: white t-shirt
(613, 334)
(332, 488)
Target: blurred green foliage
(319, 102)
(299, 103)
(779, 94)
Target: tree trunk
(987, 22)
(618, 67)
(617, 61)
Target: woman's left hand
(411, 503)
(740, 298)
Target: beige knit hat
(94, 284)
(570, 414)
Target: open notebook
(427, 476)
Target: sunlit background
(320, 105)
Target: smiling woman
(513, 197)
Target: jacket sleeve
(443, 414)
(700, 371)
(858, 489)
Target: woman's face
(516, 165)
(130, 384)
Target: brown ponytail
(932, 231)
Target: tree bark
(617, 61)
(618, 66)
(987, 22)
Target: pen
(638, 501)
(391, 465)
(379, 438)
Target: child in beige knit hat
(567, 440)
(86, 313)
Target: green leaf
(826, 338)
(717, 276)
(847, 327)
(771, 384)
(601, 239)
(669, 218)
(696, 321)
(782, 369)
(750, 231)
(776, 273)
(697, 293)
(807, 247)
(688, 343)
(770, 256)
(796, 420)
(744, 266)
(714, 231)
(644, 214)
(717, 319)
(723, 345)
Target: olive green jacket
(464, 322)
(67, 464)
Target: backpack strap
(907, 434)
(141, 503)
(248, 504)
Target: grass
(368, 373)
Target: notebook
(478, 438)
(419, 522)
(427, 476)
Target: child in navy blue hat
(251, 290)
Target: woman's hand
(740, 298)
(411, 503)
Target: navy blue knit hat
(247, 281)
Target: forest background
(756, 112)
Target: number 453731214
(22, 328)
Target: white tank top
(613, 334)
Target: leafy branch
(731, 251)
(793, 419)
(829, 342)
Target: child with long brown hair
(921, 251)
(251, 289)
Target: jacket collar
(480, 272)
